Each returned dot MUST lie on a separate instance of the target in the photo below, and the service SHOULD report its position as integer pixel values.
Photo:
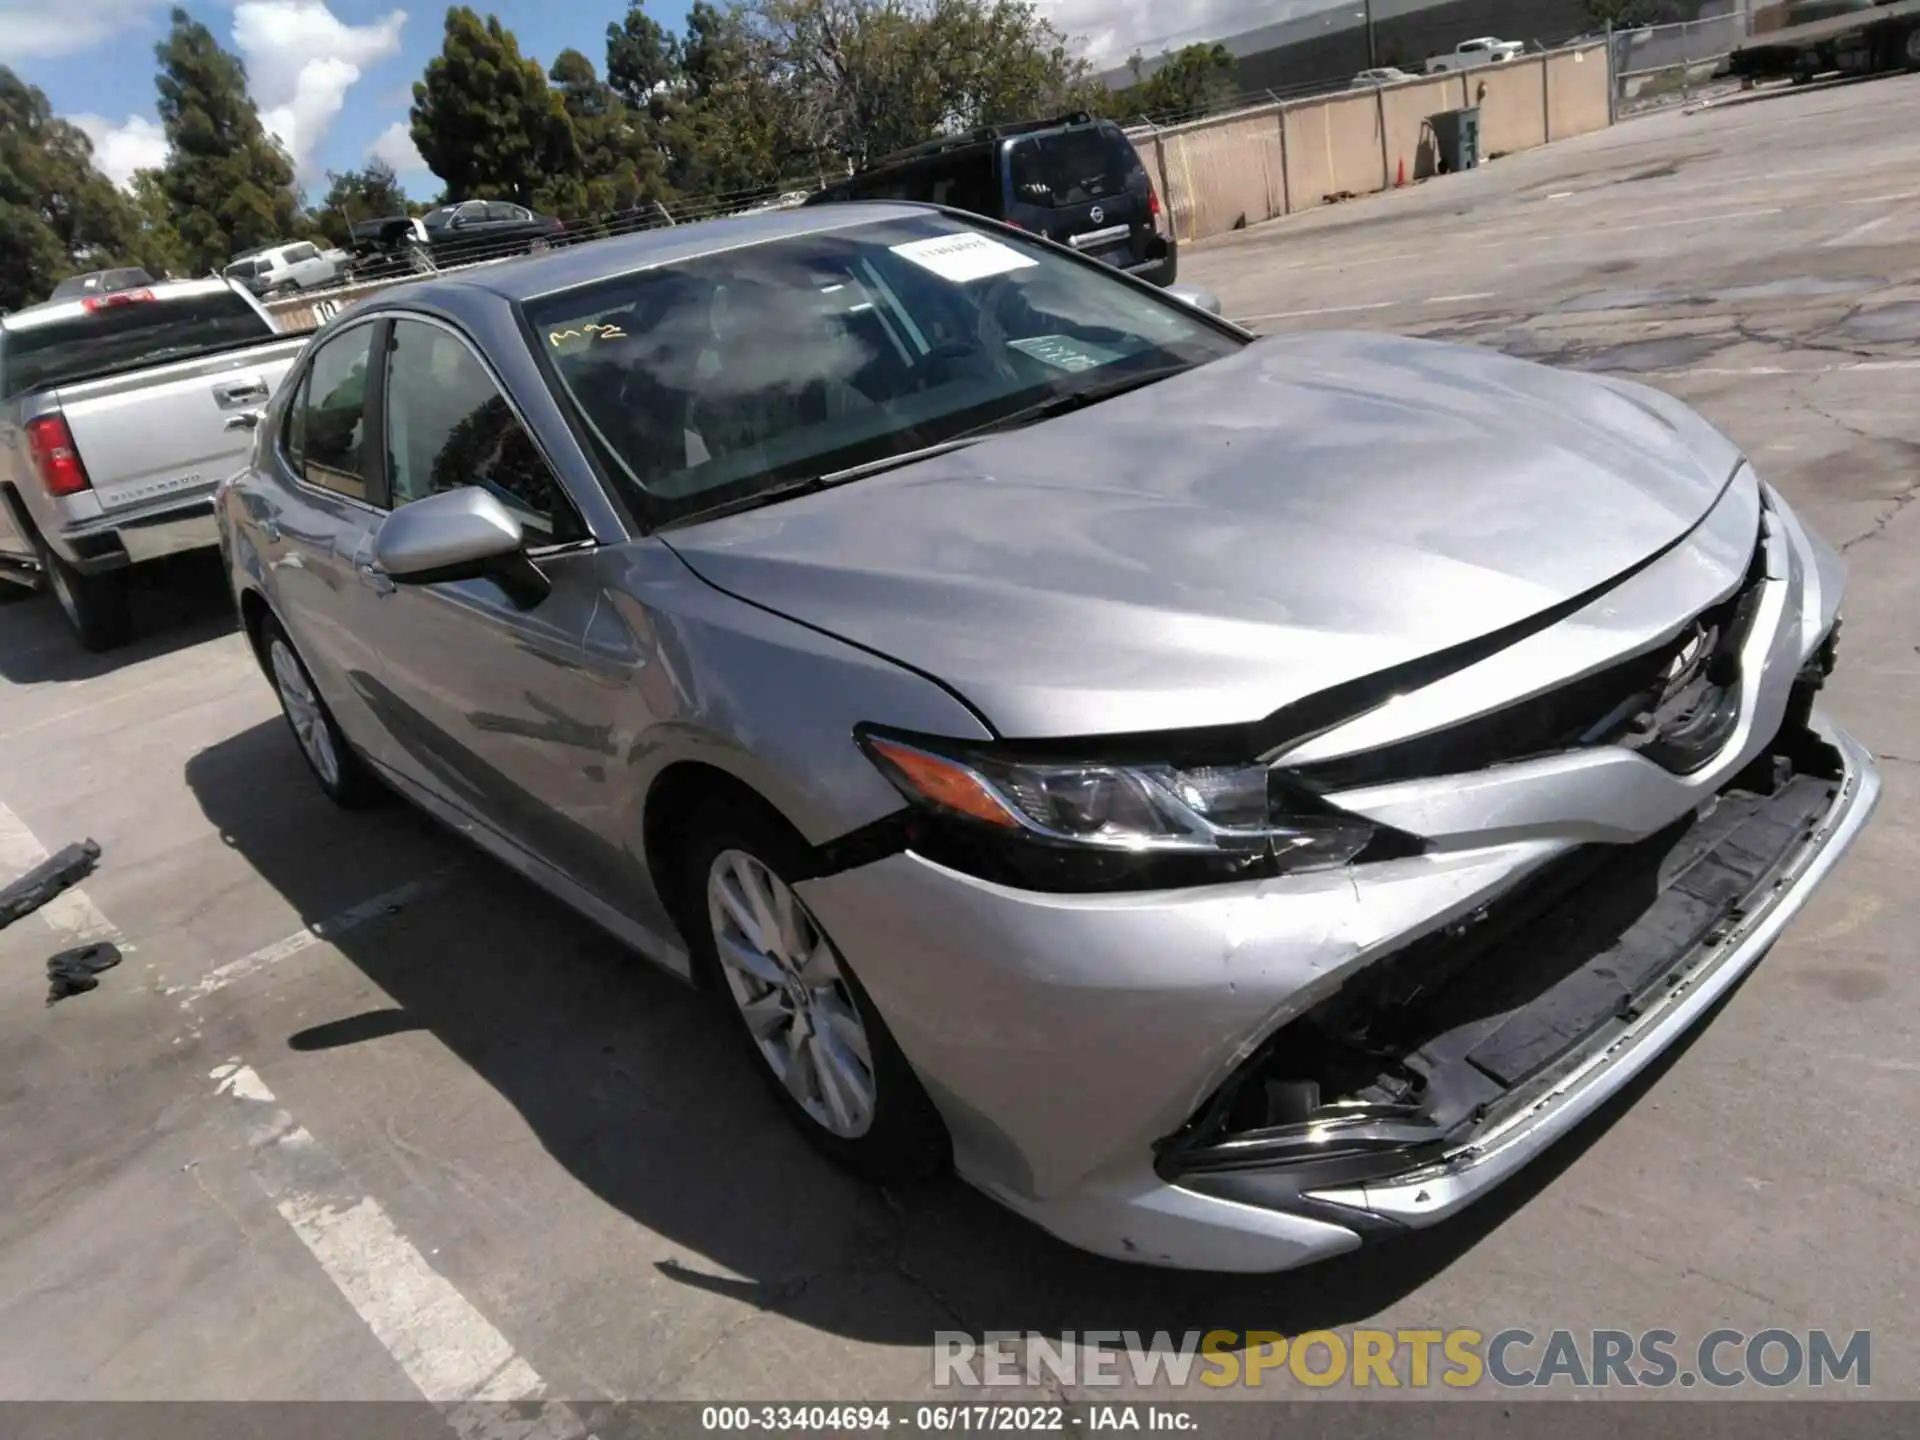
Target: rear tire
(801, 1019)
(96, 607)
(340, 772)
(1909, 49)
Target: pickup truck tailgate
(162, 433)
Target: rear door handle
(376, 579)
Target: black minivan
(1076, 180)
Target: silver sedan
(1228, 798)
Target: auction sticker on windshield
(961, 258)
(1065, 354)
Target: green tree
(863, 77)
(1193, 81)
(228, 185)
(643, 59)
(58, 214)
(158, 246)
(1617, 13)
(486, 121)
(621, 165)
(369, 193)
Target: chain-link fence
(1659, 65)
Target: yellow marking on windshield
(557, 338)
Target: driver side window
(448, 426)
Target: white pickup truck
(119, 415)
(1471, 54)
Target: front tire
(96, 607)
(798, 1011)
(342, 775)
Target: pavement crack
(772, 1297)
(1900, 502)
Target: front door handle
(376, 579)
(241, 391)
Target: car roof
(570, 267)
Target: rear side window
(301, 252)
(1072, 167)
(966, 182)
(326, 426)
(125, 330)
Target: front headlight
(1091, 824)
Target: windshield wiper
(1077, 399)
(811, 484)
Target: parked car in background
(100, 282)
(1471, 54)
(1075, 180)
(1385, 75)
(1234, 798)
(460, 234)
(119, 414)
(488, 229)
(283, 269)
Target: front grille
(1676, 703)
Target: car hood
(1206, 550)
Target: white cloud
(396, 147)
(301, 61)
(136, 143)
(37, 29)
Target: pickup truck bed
(119, 416)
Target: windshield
(707, 382)
(124, 336)
(1072, 167)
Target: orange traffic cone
(1402, 180)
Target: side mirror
(1196, 296)
(463, 534)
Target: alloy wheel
(303, 710)
(785, 977)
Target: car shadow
(632, 1082)
(177, 603)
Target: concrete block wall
(1221, 174)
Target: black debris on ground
(74, 972)
(49, 878)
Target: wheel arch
(676, 797)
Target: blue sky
(332, 78)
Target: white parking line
(321, 931)
(1329, 310)
(1857, 231)
(450, 1351)
(1848, 366)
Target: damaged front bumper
(1076, 1045)
(1441, 1070)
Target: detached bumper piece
(1425, 1052)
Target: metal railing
(1659, 65)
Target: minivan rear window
(125, 336)
(1072, 167)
